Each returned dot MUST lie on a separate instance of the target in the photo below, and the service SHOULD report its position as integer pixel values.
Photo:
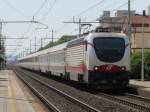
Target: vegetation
(136, 65)
(1, 57)
(63, 39)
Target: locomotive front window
(109, 49)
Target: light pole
(79, 27)
(41, 42)
(45, 27)
(52, 35)
(142, 37)
(129, 20)
(1, 52)
(35, 44)
(30, 46)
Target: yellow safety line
(11, 103)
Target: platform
(142, 87)
(12, 95)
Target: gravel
(134, 100)
(60, 102)
(100, 103)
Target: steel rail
(70, 98)
(125, 102)
(140, 98)
(39, 95)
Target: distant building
(120, 21)
(122, 13)
(148, 10)
(106, 14)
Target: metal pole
(0, 44)
(79, 27)
(35, 43)
(30, 46)
(22, 53)
(52, 35)
(41, 42)
(26, 51)
(3, 53)
(142, 37)
(129, 20)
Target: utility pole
(21, 54)
(41, 42)
(1, 47)
(35, 44)
(30, 46)
(80, 24)
(52, 35)
(129, 21)
(0, 32)
(142, 37)
(79, 27)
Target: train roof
(113, 34)
(51, 49)
(75, 41)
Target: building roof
(137, 19)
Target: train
(98, 59)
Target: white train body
(96, 58)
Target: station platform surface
(142, 87)
(14, 97)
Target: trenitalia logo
(109, 67)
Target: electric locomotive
(99, 59)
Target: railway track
(63, 94)
(133, 101)
(39, 95)
(137, 97)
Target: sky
(52, 13)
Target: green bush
(136, 64)
(63, 39)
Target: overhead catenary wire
(82, 12)
(17, 22)
(36, 13)
(41, 7)
(20, 12)
(91, 7)
(49, 10)
(15, 9)
(122, 5)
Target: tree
(63, 39)
(136, 64)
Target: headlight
(123, 68)
(96, 68)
